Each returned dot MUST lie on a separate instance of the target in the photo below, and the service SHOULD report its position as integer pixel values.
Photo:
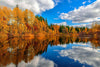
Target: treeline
(68, 29)
(94, 31)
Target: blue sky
(70, 12)
(64, 6)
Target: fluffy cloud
(89, 13)
(37, 6)
(38, 61)
(86, 55)
(63, 23)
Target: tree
(77, 29)
(85, 30)
(61, 29)
(74, 31)
(67, 28)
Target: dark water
(50, 52)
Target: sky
(62, 12)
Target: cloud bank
(37, 6)
(83, 14)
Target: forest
(23, 23)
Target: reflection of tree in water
(77, 40)
(95, 42)
(15, 50)
(62, 40)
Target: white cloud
(63, 23)
(38, 61)
(37, 6)
(84, 2)
(86, 55)
(83, 14)
(84, 25)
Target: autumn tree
(74, 31)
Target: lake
(53, 51)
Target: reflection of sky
(38, 61)
(83, 55)
(82, 52)
(76, 54)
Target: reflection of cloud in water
(81, 43)
(83, 55)
(62, 45)
(38, 61)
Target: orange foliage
(17, 22)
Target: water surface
(50, 52)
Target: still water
(50, 52)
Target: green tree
(61, 29)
